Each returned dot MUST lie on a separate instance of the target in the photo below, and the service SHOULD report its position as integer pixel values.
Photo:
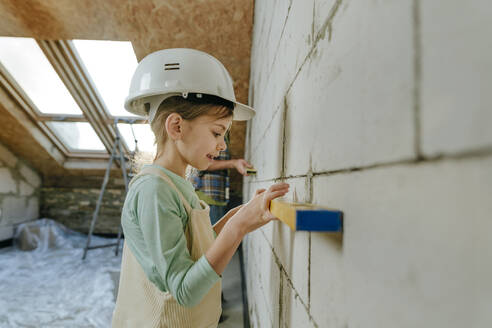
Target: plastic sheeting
(45, 283)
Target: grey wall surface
(19, 192)
(381, 109)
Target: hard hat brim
(242, 112)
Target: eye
(216, 134)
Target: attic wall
(74, 207)
(19, 192)
(380, 109)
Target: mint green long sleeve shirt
(154, 220)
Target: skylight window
(79, 136)
(28, 65)
(111, 65)
(144, 135)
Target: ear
(174, 126)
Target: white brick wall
(456, 76)
(7, 157)
(8, 183)
(355, 102)
(416, 240)
(19, 193)
(351, 104)
(29, 175)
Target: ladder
(116, 155)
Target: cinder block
(31, 177)
(270, 18)
(263, 282)
(7, 157)
(352, 102)
(271, 83)
(279, 18)
(322, 11)
(8, 184)
(270, 277)
(25, 189)
(327, 283)
(416, 248)
(262, 25)
(266, 149)
(292, 248)
(14, 210)
(292, 311)
(456, 76)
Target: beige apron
(141, 304)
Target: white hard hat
(180, 71)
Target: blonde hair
(189, 109)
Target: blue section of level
(319, 220)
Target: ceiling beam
(80, 118)
(78, 87)
(19, 106)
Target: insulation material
(45, 283)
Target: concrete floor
(32, 279)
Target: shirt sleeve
(163, 232)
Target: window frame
(68, 65)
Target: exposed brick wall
(382, 110)
(74, 208)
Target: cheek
(202, 146)
(200, 143)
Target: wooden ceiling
(221, 28)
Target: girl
(172, 256)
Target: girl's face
(203, 140)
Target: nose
(222, 145)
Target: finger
(272, 196)
(276, 194)
(279, 186)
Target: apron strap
(161, 174)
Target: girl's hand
(241, 165)
(220, 224)
(233, 211)
(259, 191)
(256, 212)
